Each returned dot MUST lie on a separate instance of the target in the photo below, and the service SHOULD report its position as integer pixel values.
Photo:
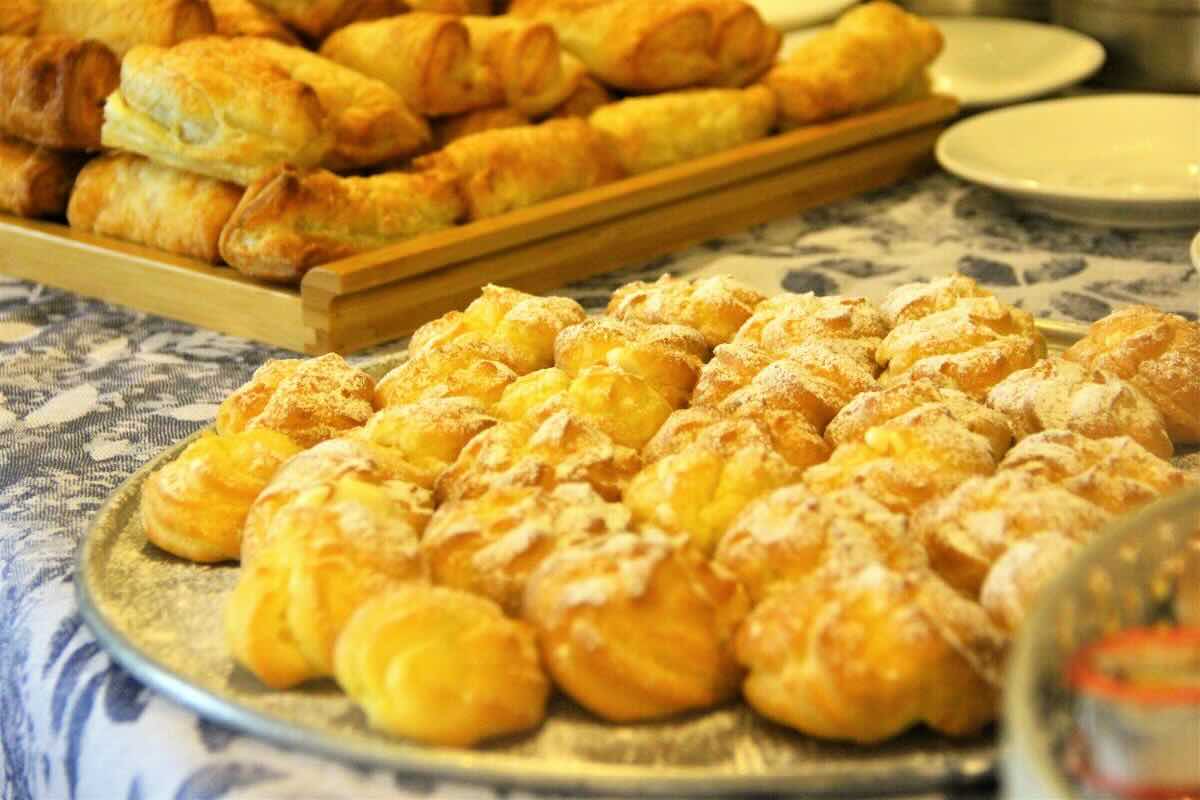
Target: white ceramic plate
(1122, 160)
(790, 15)
(990, 62)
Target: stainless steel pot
(1150, 44)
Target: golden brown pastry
(35, 181)
(474, 369)
(1017, 578)
(907, 461)
(716, 305)
(559, 448)
(52, 90)
(124, 24)
(371, 122)
(659, 130)
(625, 407)
(524, 325)
(706, 428)
(787, 535)
(316, 19)
(290, 221)
(309, 400)
(631, 44)
(525, 59)
(668, 357)
(968, 530)
(1116, 474)
(912, 301)
(195, 506)
(427, 58)
(457, 126)
(480, 7)
(852, 325)
(863, 655)
(244, 18)
(20, 17)
(323, 466)
(441, 666)
(698, 492)
(427, 434)
(511, 168)
(490, 544)
(870, 409)
(744, 45)
(132, 198)
(256, 629)
(589, 95)
(1158, 353)
(1055, 393)
(974, 344)
(214, 106)
(869, 55)
(636, 626)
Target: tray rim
(483, 767)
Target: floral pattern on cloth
(89, 392)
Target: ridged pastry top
(1014, 581)
(913, 301)
(787, 320)
(716, 305)
(473, 368)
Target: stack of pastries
(278, 135)
(839, 511)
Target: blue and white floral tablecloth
(89, 391)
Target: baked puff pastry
(428, 434)
(974, 344)
(863, 655)
(908, 461)
(636, 626)
(716, 305)
(512, 168)
(852, 325)
(290, 221)
(474, 368)
(1117, 474)
(52, 90)
(244, 18)
(625, 407)
(123, 24)
(490, 544)
(869, 55)
(440, 666)
(787, 535)
(698, 492)
(630, 44)
(525, 325)
(705, 428)
(559, 448)
(1158, 353)
(457, 126)
(195, 506)
(20, 17)
(527, 61)
(1055, 393)
(913, 301)
(668, 357)
(316, 19)
(871, 409)
(744, 45)
(589, 95)
(216, 107)
(1018, 577)
(35, 181)
(308, 399)
(132, 198)
(970, 529)
(326, 465)
(659, 130)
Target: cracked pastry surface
(637, 626)
(474, 369)
(1015, 580)
(913, 301)
(852, 324)
(441, 666)
(716, 305)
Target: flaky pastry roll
(20, 17)
(744, 45)
(244, 18)
(132, 198)
(867, 57)
(427, 58)
(52, 90)
(35, 181)
(589, 95)
(456, 126)
(504, 170)
(526, 59)
(632, 44)
(664, 129)
(316, 19)
(215, 106)
(290, 221)
(480, 7)
(371, 122)
(124, 24)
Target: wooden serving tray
(385, 294)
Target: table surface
(90, 391)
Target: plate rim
(1019, 187)
(792, 19)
